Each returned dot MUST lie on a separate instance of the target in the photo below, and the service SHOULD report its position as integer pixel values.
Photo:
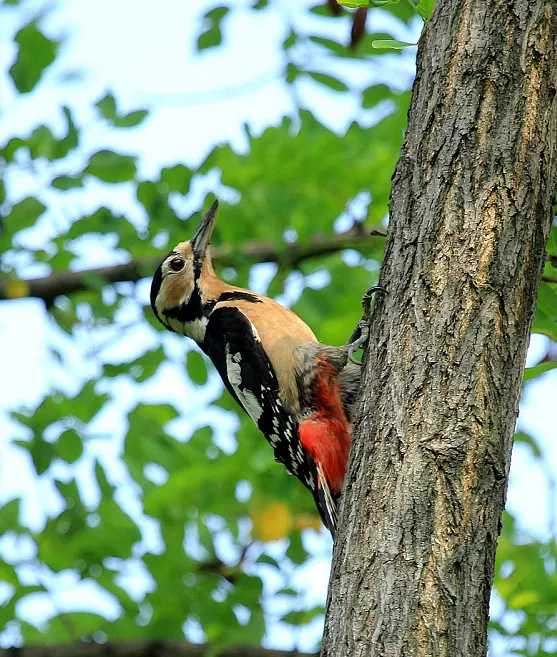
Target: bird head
(175, 289)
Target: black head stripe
(192, 310)
(238, 295)
(156, 285)
(197, 265)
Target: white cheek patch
(195, 329)
(247, 398)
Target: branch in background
(334, 7)
(549, 279)
(144, 649)
(358, 30)
(48, 288)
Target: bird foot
(361, 334)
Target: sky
(144, 54)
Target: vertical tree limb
(470, 215)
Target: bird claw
(359, 342)
(361, 334)
(368, 295)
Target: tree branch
(58, 284)
(144, 649)
(549, 279)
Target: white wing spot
(248, 399)
(255, 333)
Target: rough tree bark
(470, 214)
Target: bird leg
(361, 333)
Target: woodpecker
(298, 392)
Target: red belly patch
(325, 434)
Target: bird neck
(213, 290)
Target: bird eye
(176, 264)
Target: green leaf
(69, 447)
(111, 167)
(102, 221)
(212, 34)
(9, 516)
(333, 46)
(545, 317)
(86, 404)
(425, 8)
(296, 551)
(42, 142)
(56, 629)
(67, 182)
(141, 368)
(147, 194)
(42, 452)
(375, 94)
(56, 406)
(8, 573)
(322, 9)
(328, 80)
(302, 617)
(290, 41)
(538, 370)
(107, 107)
(197, 367)
(176, 178)
(131, 119)
(210, 38)
(216, 14)
(392, 44)
(22, 215)
(292, 72)
(526, 439)
(268, 560)
(354, 4)
(35, 52)
(103, 483)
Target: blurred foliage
(198, 510)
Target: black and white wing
(232, 343)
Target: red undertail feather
(325, 434)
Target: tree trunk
(470, 214)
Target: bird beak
(200, 241)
